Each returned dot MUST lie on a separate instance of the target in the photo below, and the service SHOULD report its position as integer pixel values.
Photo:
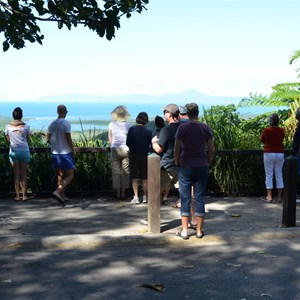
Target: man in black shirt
(164, 145)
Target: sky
(219, 48)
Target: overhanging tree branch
(18, 19)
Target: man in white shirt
(62, 149)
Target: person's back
(117, 135)
(58, 128)
(167, 141)
(63, 152)
(273, 137)
(17, 133)
(192, 162)
(139, 141)
(194, 136)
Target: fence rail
(107, 149)
(233, 172)
(48, 150)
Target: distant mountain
(184, 97)
(181, 98)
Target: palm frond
(295, 56)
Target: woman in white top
(117, 135)
(17, 133)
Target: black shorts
(138, 166)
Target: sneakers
(144, 199)
(135, 200)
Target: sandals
(193, 226)
(266, 200)
(200, 236)
(184, 237)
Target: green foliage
(18, 19)
(232, 174)
(294, 57)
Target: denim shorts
(19, 156)
(63, 161)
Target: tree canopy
(19, 19)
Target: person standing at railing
(296, 143)
(164, 146)
(63, 152)
(272, 138)
(117, 135)
(17, 133)
(191, 140)
(139, 142)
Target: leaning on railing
(233, 172)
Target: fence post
(289, 193)
(154, 193)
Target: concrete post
(154, 193)
(289, 193)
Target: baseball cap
(182, 110)
(172, 108)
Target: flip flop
(184, 237)
(193, 226)
(266, 200)
(200, 236)
(58, 199)
(28, 198)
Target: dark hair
(192, 110)
(159, 122)
(274, 119)
(142, 118)
(17, 113)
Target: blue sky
(219, 48)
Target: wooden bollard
(154, 193)
(289, 193)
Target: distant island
(183, 97)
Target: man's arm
(110, 136)
(70, 142)
(48, 138)
(156, 146)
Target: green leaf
(51, 7)
(5, 46)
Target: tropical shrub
(233, 174)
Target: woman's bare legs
(16, 169)
(199, 230)
(185, 225)
(23, 179)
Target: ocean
(39, 115)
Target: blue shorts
(19, 156)
(63, 161)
